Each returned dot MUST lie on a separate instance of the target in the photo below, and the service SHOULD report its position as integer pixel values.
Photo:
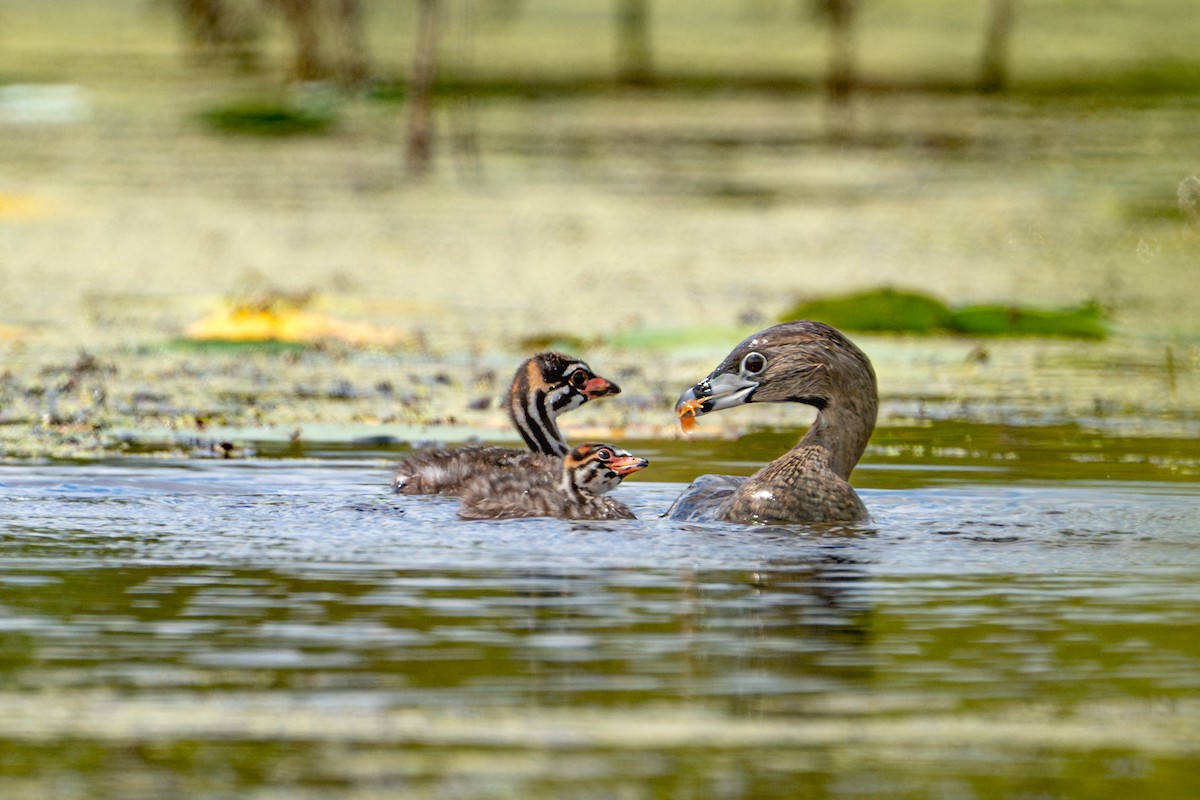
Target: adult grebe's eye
(754, 363)
(604, 454)
(578, 378)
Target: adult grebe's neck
(841, 432)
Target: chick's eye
(754, 363)
(604, 455)
(578, 378)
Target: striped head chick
(596, 468)
(545, 386)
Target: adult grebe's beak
(723, 390)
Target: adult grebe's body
(795, 362)
(543, 387)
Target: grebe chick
(588, 472)
(795, 362)
(544, 386)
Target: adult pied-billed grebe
(795, 362)
(543, 387)
(588, 473)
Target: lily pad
(890, 310)
(884, 310)
(1082, 322)
(260, 117)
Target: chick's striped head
(597, 468)
(545, 386)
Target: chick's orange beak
(600, 387)
(625, 465)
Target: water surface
(271, 628)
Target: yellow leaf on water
(11, 333)
(293, 325)
(21, 206)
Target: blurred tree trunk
(633, 42)
(355, 63)
(222, 28)
(502, 10)
(301, 17)
(840, 77)
(204, 20)
(993, 76)
(420, 89)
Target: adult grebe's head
(793, 362)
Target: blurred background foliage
(415, 50)
(472, 179)
(1035, 47)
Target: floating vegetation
(269, 117)
(890, 310)
(1165, 76)
(21, 206)
(553, 340)
(282, 319)
(221, 346)
(1085, 321)
(12, 333)
(878, 310)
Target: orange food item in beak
(687, 414)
